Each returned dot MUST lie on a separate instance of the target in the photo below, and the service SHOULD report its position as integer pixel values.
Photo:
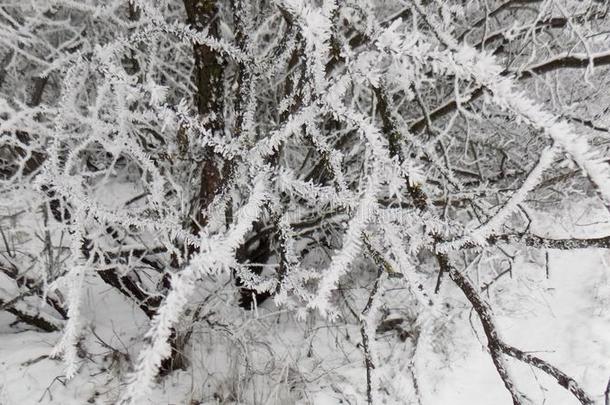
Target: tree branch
(486, 317)
(368, 357)
(547, 243)
(36, 320)
(497, 346)
(564, 61)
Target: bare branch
(497, 346)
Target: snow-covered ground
(269, 357)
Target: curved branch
(497, 346)
(564, 61)
(499, 9)
(35, 319)
(486, 317)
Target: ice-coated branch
(216, 255)
(483, 68)
(479, 235)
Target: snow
(564, 328)
(357, 155)
(561, 319)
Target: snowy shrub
(334, 160)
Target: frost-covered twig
(480, 234)
(24, 313)
(217, 255)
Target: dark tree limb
(147, 303)
(562, 378)
(589, 124)
(366, 347)
(208, 75)
(565, 62)
(561, 62)
(34, 287)
(547, 243)
(32, 319)
(551, 22)
(208, 63)
(486, 316)
(504, 6)
(497, 346)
